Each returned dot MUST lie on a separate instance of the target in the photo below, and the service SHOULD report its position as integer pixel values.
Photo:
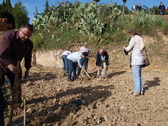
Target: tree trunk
(124, 7)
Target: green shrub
(100, 24)
(37, 41)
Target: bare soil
(109, 101)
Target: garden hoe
(10, 123)
(87, 74)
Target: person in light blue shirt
(72, 59)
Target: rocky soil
(109, 101)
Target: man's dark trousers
(71, 68)
(84, 62)
(17, 97)
(64, 59)
(2, 108)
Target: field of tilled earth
(108, 102)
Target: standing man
(162, 8)
(84, 61)
(72, 59)
(139, 7)
(102, 61)
(15, 46)
(7, 22)
(84, 48)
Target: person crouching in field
(84, 48)
(72, 59)
(136, 45)
(64, 59)
(102, 61)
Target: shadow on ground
(40, 76)
(155, 82)
(116, 73)
(60, 110)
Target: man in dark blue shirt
(162, 8)
(102, 61)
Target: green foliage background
(19, 12)
(99, 24)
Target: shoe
(69, 80)
(136, 94)
(142, 92)
(74, 78)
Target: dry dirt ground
(109, 102)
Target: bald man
(102, 62)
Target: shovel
(12, 103)
(87, 74)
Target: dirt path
(109, 101)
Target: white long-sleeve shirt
(66, 53)
(75, 57)
(84, 49)
(137, 57)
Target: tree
(120, 7)
(8, 6)
(20, 13)
(46, 7)
(154, 10)
(96, 1)
(2, 6)
(124, 2)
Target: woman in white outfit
(136, 45)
